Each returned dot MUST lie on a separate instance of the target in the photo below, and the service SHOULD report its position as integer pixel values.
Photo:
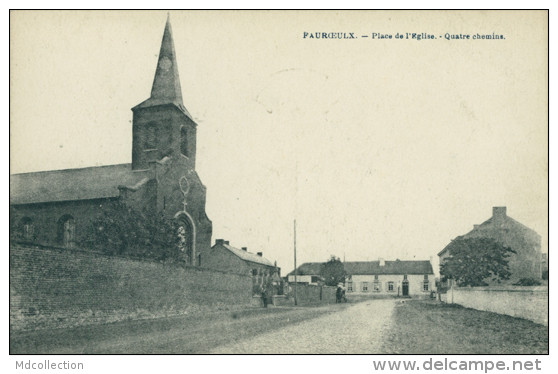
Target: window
(150, 139)
(376, 277)
(364, 286)
(186, 240)
(405, 277)
(390, 286)
(314, 279)
(184, 141)
(254, 272)
(66, 231)
(27, 228)
(426, 283)
(349, 286)
(377, 286)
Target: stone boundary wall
(525, 302)
(54, 287)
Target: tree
(333, 271)
(474, 260)
(122, 230)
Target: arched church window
(186, 239)
(184, 141)
(27, 229)
(151, 136)
(66, 230)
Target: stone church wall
(53, 287)
(46, 217)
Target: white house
(396, 278)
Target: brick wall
(51, 287)
(309, 295)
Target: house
(388, 278)
(307, 273)
(222, 256)
(527, 260)
(57, 207)
(397, 278)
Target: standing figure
(264, 296)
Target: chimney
(260, 254)
(226, 242)
(382, 262)
(499, 213)
(219, 241)
(245, 249)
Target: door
(405, 288)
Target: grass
(434, 328)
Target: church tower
(164, 142)
(162, 126)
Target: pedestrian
(264, 296)
(338, 294)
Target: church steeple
(166, 84)
(162, 127)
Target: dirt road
(370, 326)
(357, 329)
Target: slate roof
(74, 184)
(372, 268)
(248, 256)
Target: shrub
(122, 230)
(527, 282)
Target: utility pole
(295, 273)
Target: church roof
(371, 268)
(74, 184)
(166, 84)
(248, 256)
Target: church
(57, 207)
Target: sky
(379, 148)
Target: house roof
(308, 268)
(507, 222)
(372, 268)
(248, 256)
(74, 184)
(390, 267)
